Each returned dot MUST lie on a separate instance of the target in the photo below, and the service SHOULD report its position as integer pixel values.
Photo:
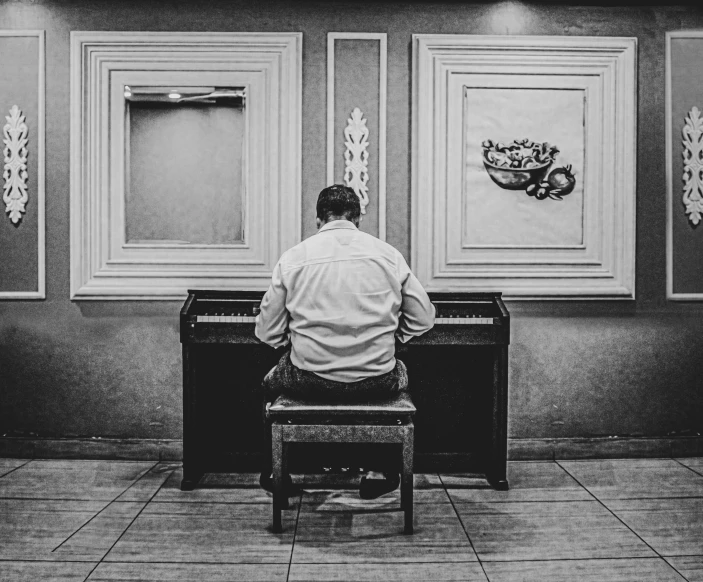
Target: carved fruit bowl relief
(525, 165)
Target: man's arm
(272, 321)
(417, 311)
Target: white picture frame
(269, 66)
(601, 264)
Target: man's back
(347, 294)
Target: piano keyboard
(466, 320)
(225, 319)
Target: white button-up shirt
(341, 297)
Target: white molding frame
(603, 267)
(39, 134)
(381, 37)
(670, 196)
(269, 66)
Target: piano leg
(191, 479)
(192, 472)
(497, 464)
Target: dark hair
(338, 201)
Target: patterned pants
(286, 378)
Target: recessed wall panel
(356, 130)
(685, 156)
(22, 231)
(556, 116)
(185, 174)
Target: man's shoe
(374, 488)
(289, 490)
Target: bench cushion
(285, 406)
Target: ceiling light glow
(510, 18)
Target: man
(341, 298)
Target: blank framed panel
(523, 174)
(22, 245)
(199, 195)
(191, 155)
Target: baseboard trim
(518, 449)
(604, 448)
(91, 448)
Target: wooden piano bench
(295, 421)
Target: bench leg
(406, 479)
(278, 469)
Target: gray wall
(577, 368)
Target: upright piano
(458, 375)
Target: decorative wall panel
(15, 170)
(115, 254)
(356, 121)
(684, 154)
(524, 165)
(22, 247)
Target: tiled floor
(590, 521)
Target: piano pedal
(342, 470)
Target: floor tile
(375, 535)
(236, 480)
(7, 465)
(529, 481)
(250, 511)
(94, 539)
(222, 488)
(351, 481)
(95, 480)
(45, 571)
(695, 463)
(205, 532)
(351, 497)
(635, 478)
(436, 572)
(625, 570)
(673, 527)
(352, 504)
(319, 489)
(32, 528)
(427, 481)
(145, 488)
(546, 528)
(548, 531)
(691, 567)
(112, 572)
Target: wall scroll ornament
(693, 165)
(15, 172)
(356, 156)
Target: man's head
(338, 202)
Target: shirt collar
(334, 224)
